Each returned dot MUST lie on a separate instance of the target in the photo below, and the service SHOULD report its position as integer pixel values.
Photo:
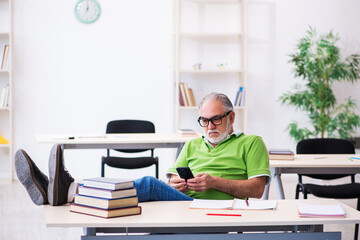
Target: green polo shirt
(237, 157)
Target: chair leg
(102, 169)
(356, 231)
(157, 169)
(297, 191)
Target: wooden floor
(21, 219)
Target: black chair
(343, 191)
(130, 126)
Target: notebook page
(211, 204)
(255, 205)
(322, 210)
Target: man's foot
(34, 181)
(60, 179)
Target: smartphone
(185, 173)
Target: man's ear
(232, 116)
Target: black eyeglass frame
(211, 119)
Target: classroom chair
(130, 126)
(343, 191)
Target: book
(192, 98)
(6, 98)
(183, 94)
(5, 57)
(105, 213)
(181, 99)
(281, 157)
(233, 204)
(280, 151)
(312, 210)
(238, 96)
(104, 193)
(184, 131)
(187, 94)
(107, 183)
(104, 202)
(242, 97)
(2, 97)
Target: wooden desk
(176, 217)
(119, 141)
(313, 164)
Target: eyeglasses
(216, 120)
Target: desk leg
(276, 173)
(89, 231)
(265, 195)
(179, 148)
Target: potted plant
(318, 63)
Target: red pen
(247, 202)
(223, 214)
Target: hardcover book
(105, 193)
(107, 183)
(104, 202)
(105, 213)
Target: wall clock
(87, 11)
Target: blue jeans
(152, 189)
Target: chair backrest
(130, 126)
(325, 146)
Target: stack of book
(281, 154)
(186, 96)
(106, 197)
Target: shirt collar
(235, 133)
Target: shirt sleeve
(257, 159)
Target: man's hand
(178, 183)
(200, 183)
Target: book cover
(105, 213)
(6, 98)
(2, 97)
(187, 94)
(5, 57)
(107, 183)
(193, 103)
(182, 91)
(312, 210)
(104, 202)
(104, 193)
(281, 157)
(242, 97)
(181, 99)
(238, 96)
(279, 151)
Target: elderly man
(226, 164)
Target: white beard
(221, 137)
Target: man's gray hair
(218, 97)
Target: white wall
(69, 77)
(275, 26)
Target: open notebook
(233, 204)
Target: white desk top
(318, 161)
(177, 214)
(115, 138)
